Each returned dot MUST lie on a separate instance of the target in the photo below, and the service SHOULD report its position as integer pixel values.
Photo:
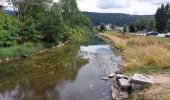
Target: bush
(29, 32)
(9, 27)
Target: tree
(70, 11)
(124, 29)
(113, 27)
(102, 27)
(141, 24)
(167, 8)
(161, 18)
(168, 25)
(52, 25)
(168, 14)
(151, 25)
(27, 9)
(29, 32)
(132, 28)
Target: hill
(115, 18)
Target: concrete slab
(140, 78)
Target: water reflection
(87, 85)
(71, 83)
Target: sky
(134, 7)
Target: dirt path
(160, 90)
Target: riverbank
(144, 55)
(22, 51)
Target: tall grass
(139, 52)
(154, 55)
(20, 50)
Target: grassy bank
(149, 55)
(141, 54)
(19, 50)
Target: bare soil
(160, 90)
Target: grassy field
(141, 53)
(146, 55)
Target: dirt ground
(160, 90)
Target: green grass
(146, 70)
(111, 32)
(19, 50)
(158, 39)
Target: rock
(118, 71)
(143, 79)
(121, 76)
(114, 96)
(105, 78)
(124, 95)
(124, 83)
(111, 75)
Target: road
(161, 35)
(144, 34)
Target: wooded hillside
(115, 18)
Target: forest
(117, 19)
(40, 24)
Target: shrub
(9, 27)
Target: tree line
(43, 21)
(160, 22)
(117, 19)
(162, 18)
(143, 25)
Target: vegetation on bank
(21, 50)
(141, 53)
(41, 22)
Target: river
(68, 73)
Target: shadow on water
(71, 72)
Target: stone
(105, 78)
(143, 79)
(124, 95)
(124, 83)
(111, 75)
(121, 76)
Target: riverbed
(72, 72)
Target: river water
(62, 74)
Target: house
(109, 27)
(119, 29)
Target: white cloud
(140, 7)
(107, 4)
(159, 2)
